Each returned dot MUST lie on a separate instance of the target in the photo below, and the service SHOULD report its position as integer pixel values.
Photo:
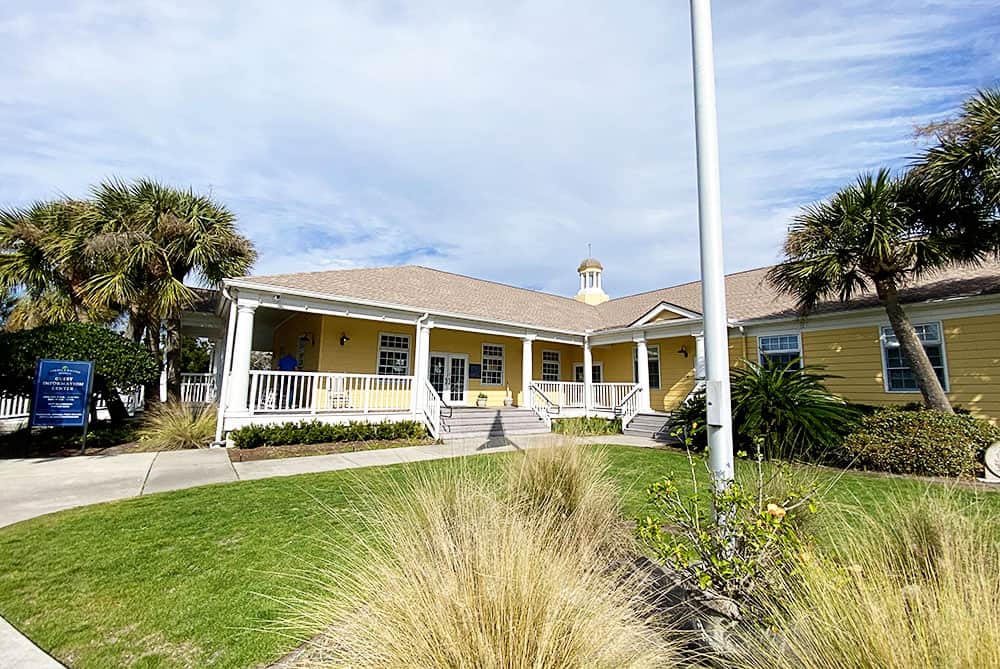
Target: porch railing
(14, 407)
(629, 406)
(610, 395)
(431, 407)
(198, 388)
(541, 404)
(562, 393)
(312, 392)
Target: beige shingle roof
(434, 290)
(749, 296)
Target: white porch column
(421, 350)
(239, 377)
(699, 357)
(642, 360)
(526, 366)
(218, 365)
(588, 377)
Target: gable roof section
(443, 292)
(748, 295)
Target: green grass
(186, 579)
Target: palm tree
(45, 264)
(963, 170)
(154, 239)
(866, 236)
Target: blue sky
(494, 139)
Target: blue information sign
(62, 393)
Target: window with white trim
(780, 350)
(492, 370)
(898, 375)
(653, 359)
(393, 355)
(550, 366)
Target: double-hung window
(780, 350)
(898, 375)
(492, 371)
(393, 355)
(653, 359)
(550, 366)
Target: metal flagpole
(713, 281)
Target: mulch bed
(297, 450)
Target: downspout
(226, 363)
(743, 334)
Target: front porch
(337, 362)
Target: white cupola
(591, 283)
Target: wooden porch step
(469, 422)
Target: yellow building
(414, 342)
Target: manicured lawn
(184, 579)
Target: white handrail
(543, 412)
(567, 394)
(609, 395)
(432, 409)
(629, 406)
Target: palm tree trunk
(913, 350)
(152, 338)
(173, 355)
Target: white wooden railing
(432, 404)
(629, 406)
(562, 393)
(542, 404)
(14, 407)
(610, 395)
(313, 392)
(197, 388)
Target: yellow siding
(676, 371)
(287, 336)
(359, 355)
(568, 356)
(740, 349)
(471, 344)
(972, 350)
(972, 353)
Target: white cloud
(506, 135)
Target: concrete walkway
(33, 487)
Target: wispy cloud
(492, 139)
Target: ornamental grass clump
(568, 485)
(449, 575)
(177, 425)
(918, 586)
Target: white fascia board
(942, 309)
(686, 327)
(279, 297)
(664, 307)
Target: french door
(449, 374)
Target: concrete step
(651, 426)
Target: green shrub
(315, 432)
(176, 426)
(921, 442)
(582, 427)
(48, 440)
(787, 411)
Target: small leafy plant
(582, 426)
(742, 543)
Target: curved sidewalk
(37, 486)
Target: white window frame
(579, 366)
(883, 345)
(482, 364)
(798, 340)
(635, 364)
(557, 362)
(380, 348)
